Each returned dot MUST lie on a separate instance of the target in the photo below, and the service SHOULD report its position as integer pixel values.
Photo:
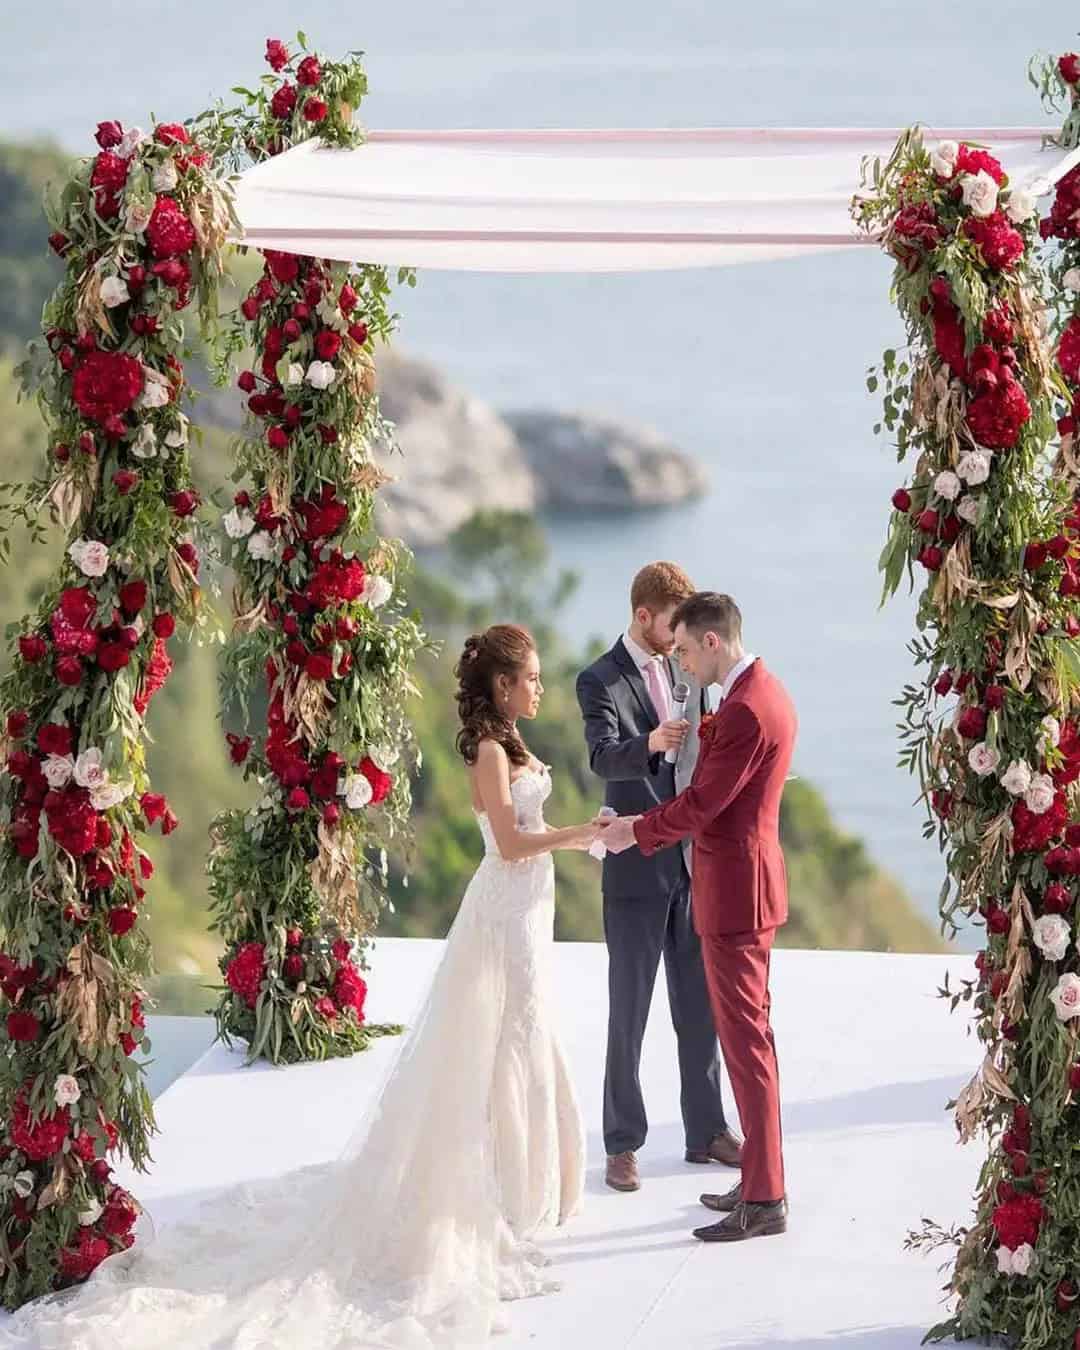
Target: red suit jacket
(731, 809)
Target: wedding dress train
(423, 1225)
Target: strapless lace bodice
(529, 791)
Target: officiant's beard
(656, 633)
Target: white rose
(156, 391)
(1020, 206)
(91, 1214)
(943, 159)
(58, 770)
(165, 177)
(131, 141)
(974, 467)
(66, 1090)
(377, 590)
(1051, 734)
(968, 509)
(1017, 778)
(980, 192)
(89, 770)
(1051, 935)
(1071, 279)
(1065, 997)
(90, 556)
(320, 375)
(238, 523)
(114, 292)
(24, 1184)
(983, 759)
(145, 444)
(109, 795)
(1022, 1258)
(947, 485)
(178, 437)
(138, 217)
(1039, 797)
(261, 546)
(358, 792)
(294, 375)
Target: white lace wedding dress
(416, 1233)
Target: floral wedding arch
(980, 401)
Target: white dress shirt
(734, 673)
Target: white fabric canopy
(581, 201)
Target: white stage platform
(868, 1058)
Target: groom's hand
(668, 736)
(617, 833)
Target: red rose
(190, 555)
(249, 308)
(121, 920)
(59, 243)
(971, 724)
(133, 596)
(169, 233)
(109, 173)
(943, 683)
(85, 1253)
(918, 224)
(1069, 66)
(359, 333)
(949, 339)
(901, 500)
(106, 384)
(331, 813)
(277, 54)
(1035, 556)
(327, 1008)
(113, 656)
(324, 517)
(315, 110)
(110, 134)
(381, 783)
(32, 648)
(283, 102)
(285, 268)
(153, 806)
(184, 503)
(996, 416)
(171, 133)
(54, 739)
(23, 1026)
(328, 434)
(327, 344)
(293, 967)
(1056, 899)
(246, 381)
(164, 626)
(349, 990)
(239, 747)
(927, 521)
(998, 921)
(994, 697)
(245, 973)
(931, 558)
(1000, 244)
(69, 671)
(294, 937)
(319, 666)
(298, 800)
(17, 723)
(309, 72)
(124, 480)
(341, 949)
(277, 438)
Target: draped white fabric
(578, 201)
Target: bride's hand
(579, 837)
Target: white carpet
(868, 1058)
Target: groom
(731, 810)
(627, 702)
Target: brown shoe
(747, 1221)
(725, 1148)
(730, 1200)
(622, 1173)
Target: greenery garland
(299, 879)
(140, 226)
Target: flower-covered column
(139, 226)
(299, 879)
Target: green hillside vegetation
(839, 898)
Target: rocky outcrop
(600, 464)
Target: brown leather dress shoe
(747, 1220)
(728, 1202)
(725, 1148)
(622, 1173)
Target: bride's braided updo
(500, 650)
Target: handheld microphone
(680, 696)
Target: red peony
(17, 723)
(110, 172)
(318, 666)
(324, 517)
(277, 54)
(971, 724)
(170, 233)
(349, 990)
(1018, 1220)
(999, 243)
(309, 72)
(54, 739)
(79, 1260)
(327, 1007)
(919, 224)
(120, 1214)
(949, 338)
(32, 648)
(327, 344)
(133, 596)
(42, 1140)
(315, 110)
(23, 1026)
(1033, 833)
(72, 820)
(284, 101)
(970, 160)
(113, 656)
(336, 581)
(1069, 66)
(153, 806)
(121, 920)
(106, 384)
(246, 971)
(1056, 899)
(171, 133)
(996, 416)
(284, 267)
(381, 783)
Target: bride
(414, 1235)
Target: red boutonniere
(708, 722)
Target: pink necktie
(658, 691)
